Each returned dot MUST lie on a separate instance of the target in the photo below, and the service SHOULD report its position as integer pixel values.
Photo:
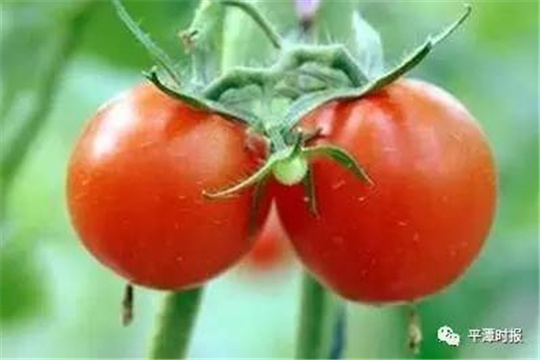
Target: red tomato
(271, 249)
(428, 212)
(135, 187)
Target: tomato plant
(135, 190)
(425, 216)
(385, 186)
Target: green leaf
(15, 151)
(341, 156)
(23, 294)
(366, 46)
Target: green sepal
(308, 103)
(304, 105)
(165, 62)
(311, 135)
(341, 156)
(309, 188)
(200, 102)
(417, 55)
(258, 194)
(254, 178)
(330, 77)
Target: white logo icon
(447, 335)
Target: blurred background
(60, 60)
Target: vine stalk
(175, 324)
(321, 334)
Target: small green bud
(291, 171)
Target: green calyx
(273, 98)
(292, 166)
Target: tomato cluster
(138, 174)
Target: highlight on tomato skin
(135, 184)
(271, 250)
(426, 216)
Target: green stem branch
(265, 25)
(160, 56)
(333, 56)
(317, 320)
(176, 324)
(313, 101)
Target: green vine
(159, 56)
(175, 325)
(336, 57)
(321, 321)
(261, 20)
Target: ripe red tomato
(135, 187)
(271, 249)
(426, 215)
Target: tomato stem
(320, 313)
(203, 40)
(175, 324)
(264, 24)
(159, 55)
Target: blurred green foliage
(56, 301)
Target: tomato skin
(271, 249)
(425, 217)
(135, 184)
